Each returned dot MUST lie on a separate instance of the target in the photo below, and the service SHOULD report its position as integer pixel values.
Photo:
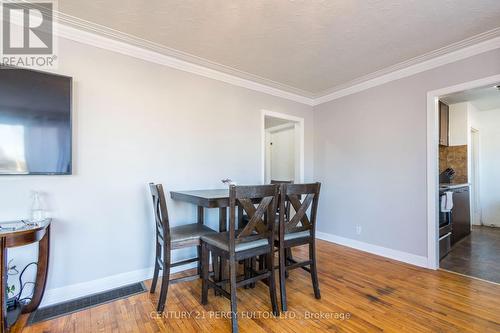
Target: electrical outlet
(359, 229)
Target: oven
(445, 227)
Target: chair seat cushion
(295, 235)
(191, 231)
(221, 240)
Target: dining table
(207, 199)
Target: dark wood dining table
(217, 198)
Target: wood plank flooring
(360, 293)
(476, 255)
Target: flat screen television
(35, 123)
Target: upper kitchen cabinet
(444, 124)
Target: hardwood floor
(476, 255)
(360, 293)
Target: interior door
(282, 154)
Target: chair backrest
(304, 200)
(160, 211)
(287, 203)
(261, 218)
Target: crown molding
(487, 41)
(86, 32)
(99, 36)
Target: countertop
(452, 186)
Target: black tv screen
(35, 122)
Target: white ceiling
(309, 46)
(486, 98)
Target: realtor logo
(28, 33)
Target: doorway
(282, 147)
(462, 167)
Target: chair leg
(165, 279)
(216, 269)
(204, 270)
(272, 282)
(232, 282)
(314, 272)
(262, 266)
(199, 261)
(282, 272)
(261, 262)
(222, 269)
(288, 256)
(246, 269)
(253, 266)
(157, 269)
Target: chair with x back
(255, 239)
(298, 229)
(243, 219)
(167, 239)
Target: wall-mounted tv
(35, 122)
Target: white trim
(443, 56)
(299, 130)
(156, 57)
(99, 36)
(433, 161)
(280, 127)
(66, 293)
(475, 180)
(406, 257)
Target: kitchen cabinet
(460, 214)
(444, 124)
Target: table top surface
(204, 198)
(205, 194)
(24, 228)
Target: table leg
(222, 219)
(222, 228)
(201, 215)
(3, 294)
(41, 272)
(201, 219)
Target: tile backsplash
(454, 157)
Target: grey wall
(370, 154)
(136, 122)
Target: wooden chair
(288, 252)
(168, 239)
(244, 221)
(255, 239)
(299, 229)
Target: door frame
(474, 167)
(433, 161)
(299, 135)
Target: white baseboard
(375, 249)
(66, 293)
(491, 225)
